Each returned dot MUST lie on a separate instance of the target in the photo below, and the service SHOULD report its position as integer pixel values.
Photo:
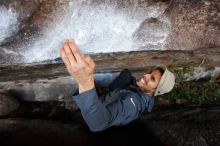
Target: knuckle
(83, 66)
(74, 68)
(65, 47)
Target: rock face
(72, 133)
(165, 126)
(58, 89)
(126, 25)
(7, 103)
(188, 125)
(195, 24)
(32, 17)
(114, 62)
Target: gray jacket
(119, 107)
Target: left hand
(79, 66)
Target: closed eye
(153, 78)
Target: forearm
(93, 111)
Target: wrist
(86, 86)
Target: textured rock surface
(185, 126)
(7, 103)
(159, 25)
(48, 123)
(113, 62)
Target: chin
(140, 87)
(139, 84)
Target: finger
(89, 61)
(69, 55)
(64, 58)
(76, 52)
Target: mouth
(143, 81)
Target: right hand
(81, 67)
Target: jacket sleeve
(99, 117)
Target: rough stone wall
(195, 24)
(165, 24)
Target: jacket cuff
(86, 99)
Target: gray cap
(167, 81)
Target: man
(127, 98)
